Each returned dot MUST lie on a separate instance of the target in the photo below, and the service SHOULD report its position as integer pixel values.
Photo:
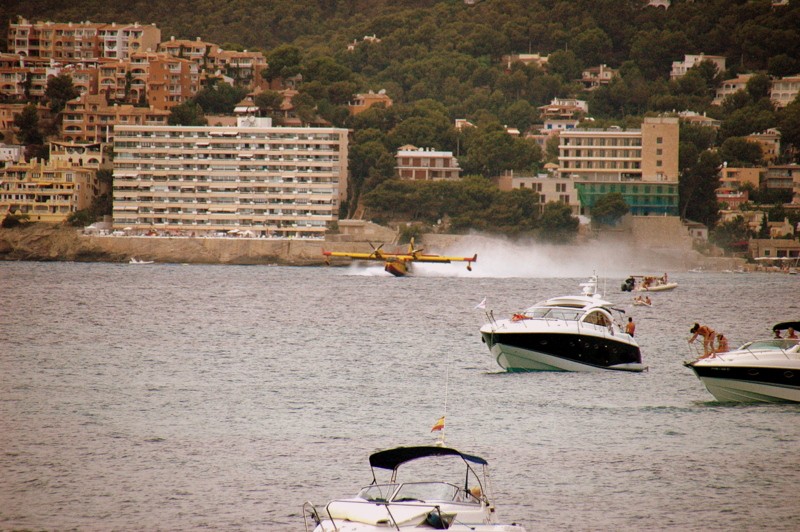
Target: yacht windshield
(426, 491)
(771, 344)
(377, 492)
(554, 313)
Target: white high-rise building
(284, 182)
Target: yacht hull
(516, 352)
(749, 384)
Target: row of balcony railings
(239, 133)
(607, 142)
(192, 149)
(231, 214)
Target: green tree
(268, 102)
(789, 125)
(609, 209)
(12, 220)
(221, 98)
(731, 235)
(697, 189)
(27, 124)
(283, 62)
(565, 64)
(740, 152)
(59, 91)
(557, 224)
(593, 47)
(187, 114)
(758, 86)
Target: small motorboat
(647, 283)
(766, 371)
(134, 260)
(461, 505)
(640, 301)
(567, 333)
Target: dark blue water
(222, 397)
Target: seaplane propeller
(376, 251)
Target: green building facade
(643, 199)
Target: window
(659, 163)
(659, 140)
(659, 151)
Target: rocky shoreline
(41, 242)
(45, 242)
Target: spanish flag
(439, 424)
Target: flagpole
(446, 389)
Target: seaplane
(399, 264)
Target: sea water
(176, 397)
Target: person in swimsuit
(708, 337)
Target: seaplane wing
(355, 256)
(399, 264)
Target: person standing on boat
(630, 327)
(708, 337)
(722, 344)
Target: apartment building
(47, 191)
(158, 79)
(70, 41)
(526, 59)
(11, 153)
(731, 86)
(680, 68)
(363, 101)
(784, 90)
(426, 164)
(78, 154)
(270, 181)
(9, 110)
(89, 118)
(564, 109)
(170, 81)
(770, 142)
(549, 187)
(783, 177)
(642, 164)
(594, 77)
(202, 53)
(244, 67)
(732, 180)
(698, 119)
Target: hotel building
(269, 181)
(641, 164)
(680, 68)
(89, 118)
(68, 41)
(47, 191)
(426, 164)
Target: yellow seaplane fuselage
(399, 264)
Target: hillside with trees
(441, 60)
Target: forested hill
(609, 31)
(441, 60)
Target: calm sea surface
(178, 397)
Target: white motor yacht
(463, 505)
(567, 333)
(765, 371)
